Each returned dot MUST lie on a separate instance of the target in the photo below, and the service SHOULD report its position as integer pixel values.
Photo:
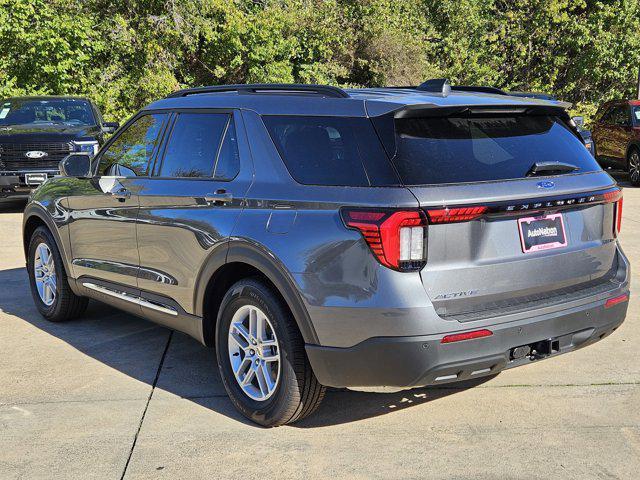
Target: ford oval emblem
(35, 154)
(546, 184)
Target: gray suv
(320, 237)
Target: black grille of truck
(13, 155)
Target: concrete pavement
(112, 396)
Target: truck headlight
(90, 146)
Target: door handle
(120, 194)
(219, 197)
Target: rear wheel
(633, 165)
(261, 357)
(48, 280)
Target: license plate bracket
(34, 178)
(544, 232)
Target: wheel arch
(243, 260)
(34, 217)
(632, 146)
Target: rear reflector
(459, 337)
(616, 300)
(451, 215)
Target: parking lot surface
(113, 396)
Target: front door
(103, 210)
(190, 204)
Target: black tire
(66, 305)
(298, 392)
(633, 166)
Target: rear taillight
(615, 196)
(396, 237)
(451, 215)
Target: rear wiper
(548, 168)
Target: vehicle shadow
(129, 345)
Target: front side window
(47, 111)
(201, 145)
(129, 154)
(438, 150)
(636, 115)
(620, 116)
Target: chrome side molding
(127, 297)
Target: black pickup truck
(37, 132)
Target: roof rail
(479, 89)
(265, 88)
(444, 87)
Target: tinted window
(330, 150)
(228, 163)
(473, 149)
(130, 153)
(194, 144)
(620, 116)
(64, 111)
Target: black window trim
(153, 174)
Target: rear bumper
(423, 360)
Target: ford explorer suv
(36, 133)
(320, 237)
(616, 136)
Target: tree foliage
(126, 54)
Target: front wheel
(261, 357)
(633, 164)
(48, 280)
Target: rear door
(191, 202)
(498, 240)
(104, 209)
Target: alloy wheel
(254, 352)
(44, 272)
(634, 167)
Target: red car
(616, 136)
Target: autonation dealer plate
(542, 233)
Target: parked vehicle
(36, 133)
(616, 137)
(346, 238)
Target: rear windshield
(331, 150)
(438, 150)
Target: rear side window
(201, 145)
(331, 150)
(437, 150)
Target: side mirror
(110, 127)
(76, 165)
(579, 121)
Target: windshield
(46, 111)
(436, 150)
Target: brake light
(459, 337)
(451, 215)
(615, 196)
(396, 238)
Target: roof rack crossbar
(275, 88)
